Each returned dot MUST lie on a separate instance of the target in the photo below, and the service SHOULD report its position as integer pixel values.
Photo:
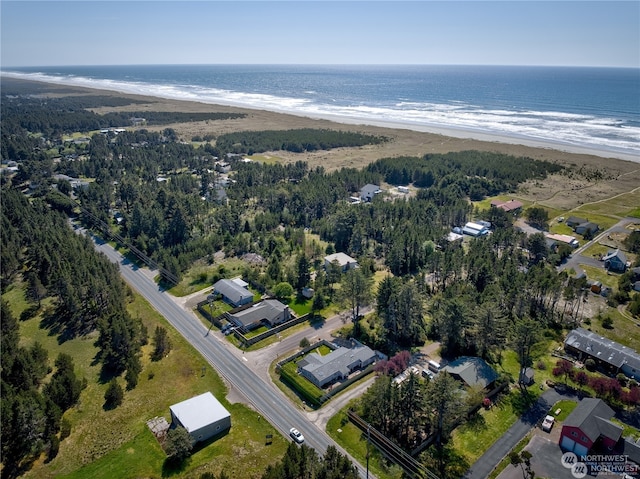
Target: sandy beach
(620, 172)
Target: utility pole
(368, 439)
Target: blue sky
(572, 33)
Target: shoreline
(461, 133)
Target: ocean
(592, 108)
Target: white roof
(199, 411)
(342, 259)
(475, 226)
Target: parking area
(545, 460)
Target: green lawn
(474, 437)
(117, 443)
(602, 275)
(619, 206)
(566, 406)
(353, 440)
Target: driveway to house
(490, 459)
(577, 258)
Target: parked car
(547, 424)
(296, 435)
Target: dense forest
(297, 141)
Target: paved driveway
(545, 461)
(490, 459)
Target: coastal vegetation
(498, 296)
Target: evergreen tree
(114, 395)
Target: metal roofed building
(607, 353)
(369, 191)
(269, 311)
(322, 370)
(232, 292)
(202, 416)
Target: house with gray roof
(587, 228)
(472, 371)
(202, 416)
(233, 292)
(615, 260)
(337, 365)
(369, 191)
(269, 312)
(609, 355)
(573, 221)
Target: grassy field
(352, 439)
(117, 443)
(617, 206)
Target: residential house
(202, 416)
(269, 312)
(234, 292)
(511, 206)
(337, 365)
(345, 261)
(615, 261)
(587, 229)
(472, 371)
(608, 354)
(573, 221)
(369, 191)
(570, 240)
(589, 422)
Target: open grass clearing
(619, 206)
(117, 443)
(474, 437)
(600, 274)
(201, 276)
(624, 330)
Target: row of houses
(582, 226)
(609, 355)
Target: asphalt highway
(265, 399)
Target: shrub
(304, 342)
(113, 395)
(590, 364)
(607, 322)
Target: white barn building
(202, 416)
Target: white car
(547, 424)
(296, 435)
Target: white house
(345, 261)
(202, 416)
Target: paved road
(490, 459)
(269, 402)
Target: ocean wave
(560, 127)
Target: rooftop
(339, 359)
(602, 348)
(199, 411)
